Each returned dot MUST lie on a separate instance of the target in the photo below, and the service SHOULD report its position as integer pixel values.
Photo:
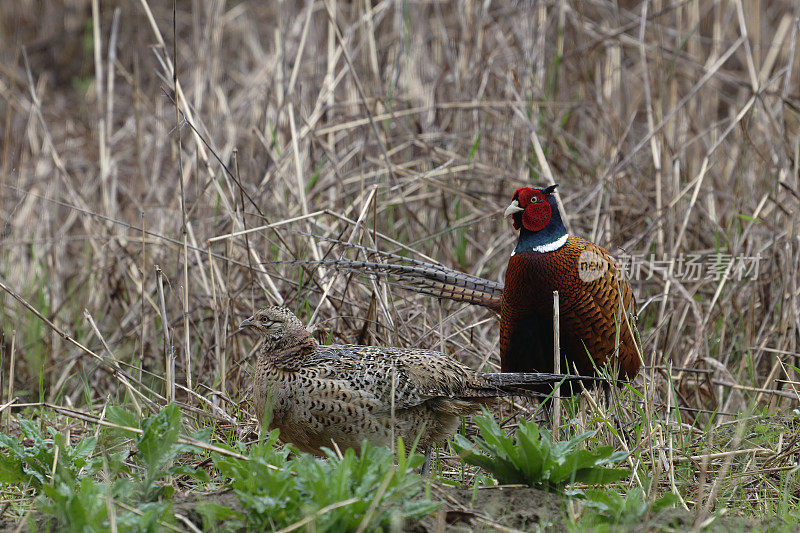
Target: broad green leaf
(667, 500)
(11, 470)
(31, 431)
(601, 475)
(159, 435)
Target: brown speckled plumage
(347, 393)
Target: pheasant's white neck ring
(548, 246)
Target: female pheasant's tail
(525, 383)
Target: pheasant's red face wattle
(537, 212)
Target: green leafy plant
(141, 458)
(605, 509)
(531, 457)
(333, 494)
(30, 461)
(59, 472)
(63, 475)
(74, 508)
(157, 449)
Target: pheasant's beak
(513, 208)
(248, 322)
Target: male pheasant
(596, 302)
(321, 394)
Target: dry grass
(402, 126)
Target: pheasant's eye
(534, 200)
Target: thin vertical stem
(11, 377)
(556, 364)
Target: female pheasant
(595, 301)
(318, 394)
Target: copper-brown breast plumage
(591, 319)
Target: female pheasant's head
(535, 214)
(279, 327)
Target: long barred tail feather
(425, 278)
(413, 274)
